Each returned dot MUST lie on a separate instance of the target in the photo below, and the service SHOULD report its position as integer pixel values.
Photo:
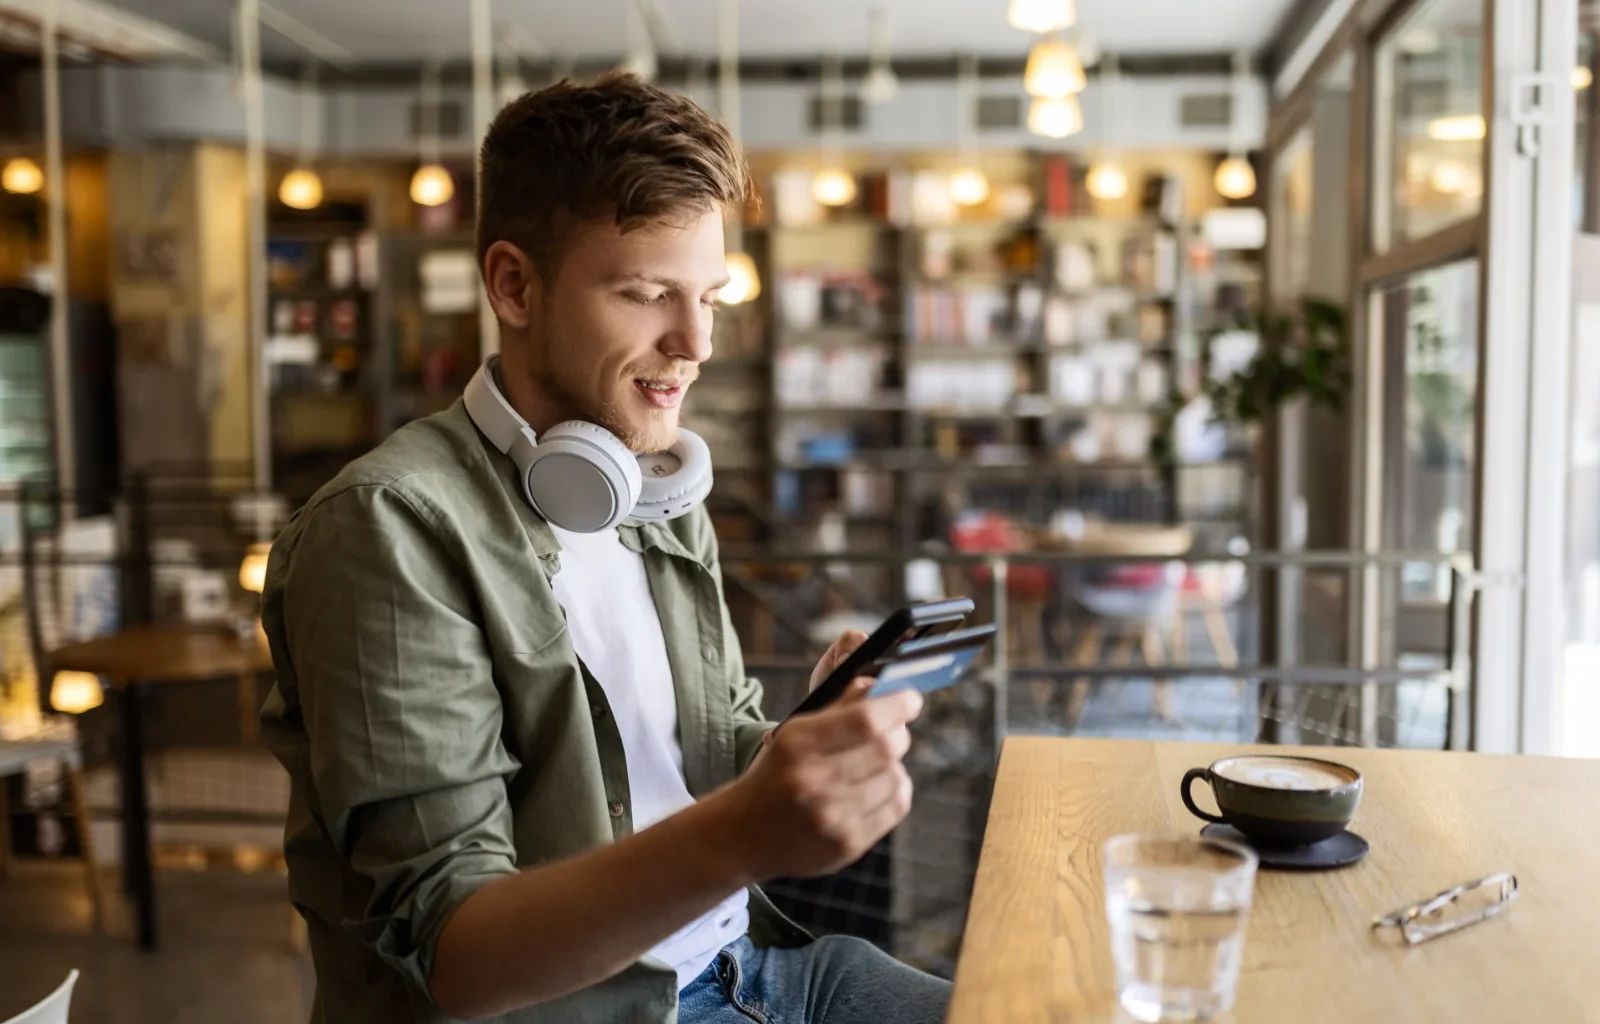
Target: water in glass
(1177, 908)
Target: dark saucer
(1336, 851)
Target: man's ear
(514, 287)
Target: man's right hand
(825, 789)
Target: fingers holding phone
(828, 786)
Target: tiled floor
(224, 958)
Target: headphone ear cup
(673, 492)
(581, 478)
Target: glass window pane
(1586, 84)
(1430, 321)
(1428, 143)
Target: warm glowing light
(1042, 15)
(432, 186)
(968, 187)
(301, 189)
(1450, 177)
(1235, 178)
(833, 187)
(21, 176)
(73, 693)
(1054, 70)
(1582, 78)
(1107, 181)
(1459, 128)
(1055, 119)
(253, 570)
(744, 282)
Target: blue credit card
(926, 673)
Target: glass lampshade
(1055, 119)
(301, 189)
(432, 186)
(744, 281)
(21, 176)
(1053, 70)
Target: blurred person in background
(530, 778)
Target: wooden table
(132, 661)
(1036, 948)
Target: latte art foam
(1284, 773)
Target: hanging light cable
(833, 185)
(744, 280)
(1235, 178)
(432, 184)
(301, 188)
(880, 84)
(968, 185)
(1106, 179)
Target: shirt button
(597, 709)
(709, 651)
(616, 808)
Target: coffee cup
(1278, 800)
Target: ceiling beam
(675, 70)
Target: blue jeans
(834, 980)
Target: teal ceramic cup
(1278, 801)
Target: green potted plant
(1305, 354)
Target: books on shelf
(958, 314)
(808, 376)
(961, 385)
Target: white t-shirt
(616, 631)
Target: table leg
(138, 874)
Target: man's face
(619, 333)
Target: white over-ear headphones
(579, 476)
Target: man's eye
(646, 300)
(711, 302)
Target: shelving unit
(906, 360)
(326, 386)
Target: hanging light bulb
(968, 187)
(432, 186)
(1107, 180)
(1041, 16)
(1055, 118)
(21, 176)
(1458, 128)
(879, 85)
(833, 187)
(73, 693)
(1235, 178)
(301, 189)
(1054, 70)
(744, 281)
(1449, 177)
(1582, 78)
(253, 568)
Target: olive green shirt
(439, 730)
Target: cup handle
(1188, 800)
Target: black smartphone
(911, 623)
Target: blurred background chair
(54, 1008)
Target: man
(530, 779)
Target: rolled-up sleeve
(402, 716)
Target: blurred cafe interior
(1237, 358)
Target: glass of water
(1177, 909)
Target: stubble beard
(572, 398)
